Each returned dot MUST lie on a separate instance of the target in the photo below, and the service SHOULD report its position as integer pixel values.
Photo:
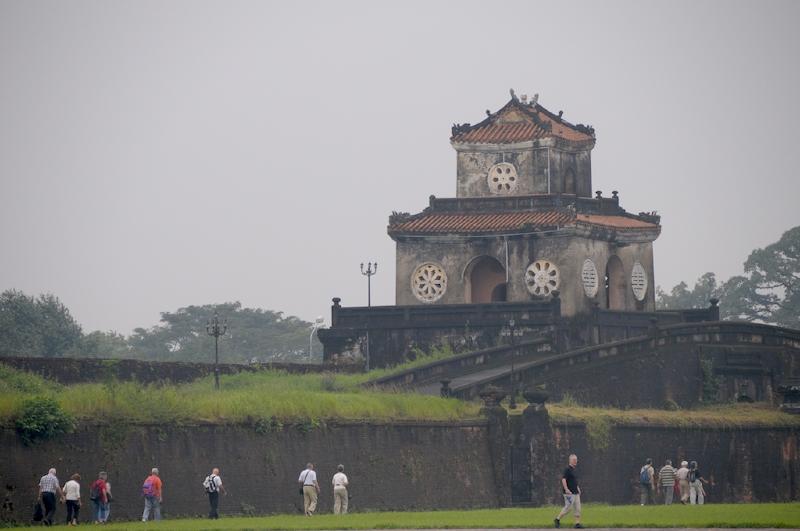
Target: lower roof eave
(591, 232)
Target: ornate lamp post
(318, 323)
(371, 270)
(512, 332)
(215, 329)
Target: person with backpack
(309, 487)
(647, 481)
(213, 486)
(99, 496)
(666, 479)
(151, 490)
(49, 489)
(697, 494)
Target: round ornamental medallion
(639, 281)
(541, 278)
(589, 278)
(502, 178)
(429, 282)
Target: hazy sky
(155, 155)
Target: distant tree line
(44, 326)
(768, 291)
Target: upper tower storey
(523, 149)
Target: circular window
(589, 278)
(639, 281)
(541, 278)
(429, 282)
(502, 178)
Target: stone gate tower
(524, 225)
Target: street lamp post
(320, 321)
(215, 329)
(512, 403)
(368, 273)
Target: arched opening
(485, 281)
(615, 284)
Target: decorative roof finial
(535, 100)
(513, 95)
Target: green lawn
(739, 515)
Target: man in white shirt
(310, 488)
(340, 491)
(213, 486)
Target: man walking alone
(647, 481)
(213, 486)
(572, 493)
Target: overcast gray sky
(155, 155)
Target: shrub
(41, 418)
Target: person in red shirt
(98, 494)
(151, 489)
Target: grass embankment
(243, 398)
(621, 516)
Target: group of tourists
(685, 483)
(51, 492)
(310, 489)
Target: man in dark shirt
(572, 493)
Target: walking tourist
(683, 481)
(572, 493)
(647, 481)
(340, 484)
(72, 495)
(49, 488)
(666, 479)
(99, 495)
(310, 488)
(697, 494)
(151, 490)
(213, 486)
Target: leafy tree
(40, 326)
(252, 333)
(769, 290)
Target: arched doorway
(615, 284)
(485, 280)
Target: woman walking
(72, 495)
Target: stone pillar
(497, 418)
(335, 310)
(713, 309)
(538, 435)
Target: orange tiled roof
(490, 222)
(518, 122)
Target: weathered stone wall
(567, 252)
(569, 171)
(400, 466)
(743, 465)
(77, 370)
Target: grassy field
(277, 397)
(246, 397)
(739, 515)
